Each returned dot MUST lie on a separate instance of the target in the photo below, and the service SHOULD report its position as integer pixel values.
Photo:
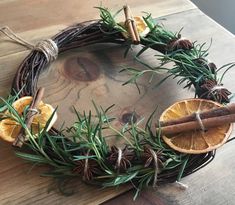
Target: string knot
(48, 47)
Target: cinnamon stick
(216, 112)
(29, 116)
(131, 25)
(134, 26)
(194, 125)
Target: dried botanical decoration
(87, 167)
(212, 91)
(180, 43)
(208, 65)
(82, 149)
(120, 158)
(148, 157)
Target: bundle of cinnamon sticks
(211, 118)
(131, 25)
(19, 141)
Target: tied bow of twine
(48, 47)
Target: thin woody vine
(150, 156)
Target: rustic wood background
(92, 73)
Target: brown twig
(131, 25)
(32, 111)
(216, 112)
(194, 125)
(83, 34)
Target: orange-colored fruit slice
(10, 129)
(196, 141)
(141, 26)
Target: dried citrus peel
(196, 141)
(142, 27)
(10, 129)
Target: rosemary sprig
(82, 149)
(108, 21)
(190, 64)
(86, 143)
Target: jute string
(217, 87)
(86, 163)
(48, 47)
(118, 163)
(181, 185)
(155, 159)
(198, 118)
(33, 110)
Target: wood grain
(106, 88)
(92, 73)
(37, 20)
(212, 184)
(29, 15)
(8, 47)
(21, 186)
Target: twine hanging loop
(48, 47)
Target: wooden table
(37, 20)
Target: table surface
(37, 20)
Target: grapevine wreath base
(145, 159)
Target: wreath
(82, 150)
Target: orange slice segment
(197, 141)
(10, 129)
(141, 26)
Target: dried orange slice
(10, 129)
(142, 27)
(196, 141)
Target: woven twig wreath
(149, 161)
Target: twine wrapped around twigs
(31, 112)
(117, 159)
(48, 47)
(80, 35)
(155, 159)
